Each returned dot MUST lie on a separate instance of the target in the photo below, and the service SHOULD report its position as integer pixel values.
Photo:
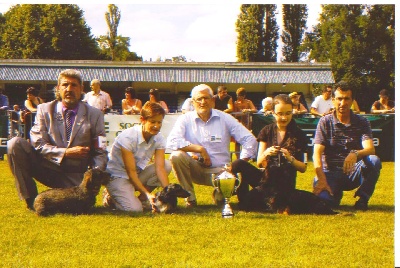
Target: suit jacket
(48, 137)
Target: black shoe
(361, 204)
(29, 203)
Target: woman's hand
(271, 151)
(286, 154)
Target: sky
(200, 32)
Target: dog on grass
(277, 194)
(74, 200)
(167, 199)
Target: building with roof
(174, 80)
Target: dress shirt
(132, 139)
(99, 101)
(214, 135)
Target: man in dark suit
(67, 137)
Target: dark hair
(155, 93)
(326, 88)
(343, 86)
(241, 91)
(33, 91)
(384, 92)
(131, 91)
(151, 109)
(221, 88)
(281, 98)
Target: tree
(294, 24)
(47, 32)
(113, 46)
(121, 49)
(257, 33)
(113, 17)
(358, 40)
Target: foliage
(113, 46)
(294, 25)
(113, 17)
(199, 237)
(47, 32)
(257, 33)
(358, 40)
(121, 49)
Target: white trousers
(122, 190)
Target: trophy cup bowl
(226, 183)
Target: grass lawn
(200, 237)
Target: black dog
(166, 200)
(277, 194)
(74, 200)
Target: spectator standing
(244, 107)
(267, 106)
(223, 101)
(131, 105)
(323, 104)
(383, 105)
(187, 105)
(154, 97)
(298, 108)
(15, 121)
(32, 99)
(3, 101)
(98, 98)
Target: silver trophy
(226, 183)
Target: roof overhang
(169, 72)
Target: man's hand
(206, 157)
(349, 163)
(322, 186)
(77, 152)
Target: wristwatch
(354, 152)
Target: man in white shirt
(200, 142)
(98, 98)
(323, 104)
(187, 105)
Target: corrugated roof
(218, 73)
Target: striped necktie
(68, 123)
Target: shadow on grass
(379, 208)
(207, 210)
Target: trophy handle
(238, 180)
(214, 182)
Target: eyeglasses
(280, 114)
(201, 99)
(329, 91)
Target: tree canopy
(257, 33)
(113, 46)
(294, 25)
(359, 42)
(47, 32)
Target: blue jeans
(364, 176)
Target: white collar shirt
(132, 139)
(214, 135)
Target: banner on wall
(115, 124)
(382, 130)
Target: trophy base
(227, 211)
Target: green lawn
(200, 237)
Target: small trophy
(226, 183)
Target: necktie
(68, 123)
